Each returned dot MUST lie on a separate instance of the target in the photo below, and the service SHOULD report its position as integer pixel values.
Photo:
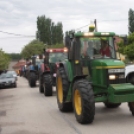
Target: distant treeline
(15, 56)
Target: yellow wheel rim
(77, 102)
(60, 90)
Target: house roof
(19, 64)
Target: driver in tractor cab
(105, 50)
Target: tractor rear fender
(41, 75)
(46, 72)
(66, 70)
(32, 71)
(69, 73)
(79, 77)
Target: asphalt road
(23, 110)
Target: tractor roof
(94, 34)
(57, 50)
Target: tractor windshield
(97, 47)
(57, 57)
(39, 61)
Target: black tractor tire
(131, 79)
(83, 101)
(32, 79)
(62, 86)
(41, 88)
(112, 105)
(131, 107)
(47, 84)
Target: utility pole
(95, 22)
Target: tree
(35, 47)
(131, 21)
(128, 49)
(48, 32)
(15, 56)
(59, 32)
(4, 60)
(41, 28)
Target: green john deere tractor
(92, 74)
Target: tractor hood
(107, 63)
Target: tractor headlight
(112, 77)
(122, 70)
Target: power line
(16, 34)
(30, 36)
(99, 21)
(15, 37)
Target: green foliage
(131, 21)
(48, 32)
(121, 48)
(15, 56)
(4, 60)
(131, 38)
(127, 50)
(33, 48)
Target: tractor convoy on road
(85, 72)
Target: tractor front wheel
(131, 107)
(47, 84)
(112, 105)
(83, 101)
(32, 79)
(62, 87)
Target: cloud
(20, 17)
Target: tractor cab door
(74, 57)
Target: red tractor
(47, 76)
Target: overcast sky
(19, 16)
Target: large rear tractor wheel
(131, 107)
(32, 79)
(47, 84)
(83, 101)
(41, 88)
(112, 105)
(62, 86)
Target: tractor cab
(56, 55)
(37, 60)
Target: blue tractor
(33, 70)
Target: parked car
(14, 74)
(7, 80)
(129, 73)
